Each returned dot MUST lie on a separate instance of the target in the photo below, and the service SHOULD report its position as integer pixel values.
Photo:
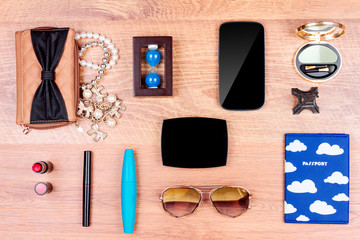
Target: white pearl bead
(112, 62)
(111, 98)
(77, 36)
(115, 57)
(101, 37)
(83, 34)
(95, 35)
(95, 66)
(114, 51)
(89, 64)
(111, 122)
(107, 40)
(89, 35)
(80, 129)
(87, 94)
(98, 113)
(83, 63)
(108, 66)
(111, 46)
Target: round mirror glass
(322, 29)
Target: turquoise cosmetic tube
(128, 191)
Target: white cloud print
(289, 167)
(327, 149)
(322, 208)
(302, 218)
(289, 208)
(341, 197)
(337, 177)
(306, 186)
(296, 146)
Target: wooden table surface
(256, 138)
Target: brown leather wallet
(32, 72)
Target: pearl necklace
(98, 110)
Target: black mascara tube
(86, 189)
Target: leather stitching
(22, 77)
(45, 121)
(50, 30)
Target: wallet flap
(29, 75)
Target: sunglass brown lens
(180, 201)
(230, 201)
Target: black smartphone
(241, 65)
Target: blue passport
(316, 178)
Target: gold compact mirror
(318, 61)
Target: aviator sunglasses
(180, 201)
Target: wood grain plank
(256, 150)
(112, 11)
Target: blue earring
(152, 79)
(153, 57)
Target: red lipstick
(42, 167)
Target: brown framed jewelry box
(139, 46)
(47, 77)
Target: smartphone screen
(241, 65)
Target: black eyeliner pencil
(86, 189)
